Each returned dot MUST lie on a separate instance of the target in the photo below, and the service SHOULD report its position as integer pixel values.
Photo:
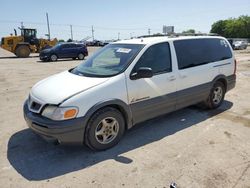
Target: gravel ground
(192, 147)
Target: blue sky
(110, 17)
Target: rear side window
(156, 57)
(79, 45)
(71, 46)
(194, 52)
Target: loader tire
(22, 51)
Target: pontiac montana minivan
(128, 82)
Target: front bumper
(64, 132)
(44, 57)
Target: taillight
(235, 64)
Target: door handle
(171, 78)
(183, 75)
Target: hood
(46, 50)
(57, 88)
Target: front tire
(53, 57)
(216, 96)
(22, 51)
(105, 129)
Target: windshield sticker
(123, 50)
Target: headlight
(60, 113)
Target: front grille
(35, 106)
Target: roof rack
(179, 34)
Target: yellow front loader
(26, 43)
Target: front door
(150, 97)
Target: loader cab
(29, 36)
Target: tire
(53, 57)
(80, 56)
(22, 51)
(216, 96)
(105, 129)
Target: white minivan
(128, 82)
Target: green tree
(189, 31)
(61, 40)
(219, 27)
(233, 27)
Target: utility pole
(118, 35)
(22, 25)
(48, 25)
(148, 31)
(71, 32)
(92, 33)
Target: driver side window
(156, 57)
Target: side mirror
(142, 72)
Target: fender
(220, 77)
(123, 107)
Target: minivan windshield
(109, 60)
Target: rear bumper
(231, 82)
(65, 132)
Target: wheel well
(222, 80)
(120, 109)
(123, 112)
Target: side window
(156, 57)
(72, 46)
(195, 52)
(64, 46)
(221, 50)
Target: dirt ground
(192, 147)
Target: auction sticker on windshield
(123, 50)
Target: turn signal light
(70, 113)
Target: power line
(84, 26)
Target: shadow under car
(36, 159)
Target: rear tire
(81, 56)
(216, 96)
(22, 51)
(53, 57)
(105, 129)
